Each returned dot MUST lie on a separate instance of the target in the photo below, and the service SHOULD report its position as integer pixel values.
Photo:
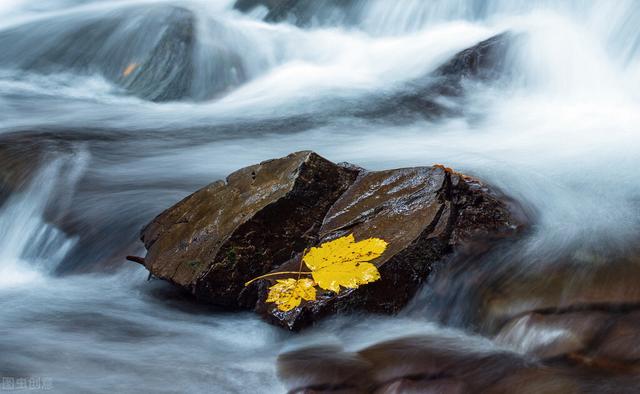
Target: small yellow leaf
(288, 293)
(344, 262)
(129, 69)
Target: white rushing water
(560, 132)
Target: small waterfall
(30, 247)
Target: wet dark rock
(421, 364)
(603, 286)
(227, 233)
(536, 380)
(21, 157)
(303, 12)
(620, 343)
(431, 357)
(441, 92)
(424, 213)
(17, 165)
(553, 335)
(430, 386)
(151, 52)
(167, 71)
(484, 61)
(443, 362)
(264, 216)
(323, 368)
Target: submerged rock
(15, 171)
(484, 61)
(20, 159)
(558, 288)
(227, 233)
(548, 336)
(324, 368)
(264, 216)
(151, 52)
(433, 363)
(440, 92)
(620, 343)
(302, 12)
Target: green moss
(232, 257)
(194, 264)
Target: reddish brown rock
(432, 363)
(537, 380)
(227, 233)
(20, 158)
(548, 336)
(424, 214)
(321, 369)
(622, 340)
(607, 285)
(434, 386)
(425, 358)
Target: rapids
(559, 132)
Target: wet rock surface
(424, 213)
(559, 288)
(436, 363)
(441, 92)
(568, 326)
(264, 216)
(442, 363)
(552, 335)
(21, 158)
(162, 61)
(229, 232)
(302, 12)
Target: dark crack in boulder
(227, 233)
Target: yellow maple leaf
(344, 262)
(288, 293)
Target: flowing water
(559, 132)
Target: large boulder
(152, 52)
(264, 216)
(227, 233)
(424, 213)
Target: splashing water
(31, 248)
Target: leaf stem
(275, 274)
